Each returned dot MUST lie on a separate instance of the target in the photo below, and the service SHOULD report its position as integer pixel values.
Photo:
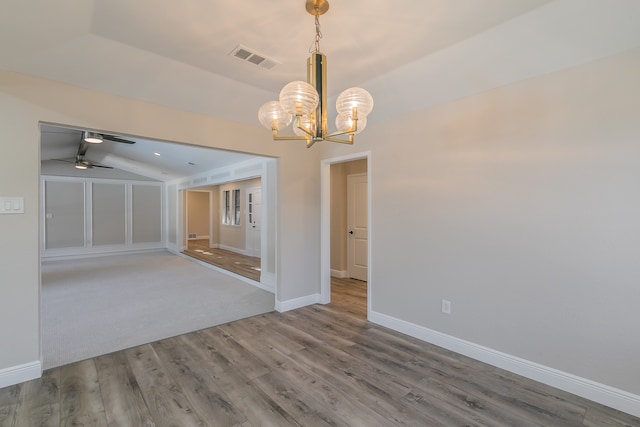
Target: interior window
(236, 207)
(226, 207)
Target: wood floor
(322, 365)
(243, 265)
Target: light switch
(11, 205)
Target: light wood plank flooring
(243, 265)
(316, 366)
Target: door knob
(350, 231)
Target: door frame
(325, 225)
(248, 191)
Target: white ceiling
(410, 54)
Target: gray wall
(65, 214)
(109, 225)
(520, 205)
(85, 215)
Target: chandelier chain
(318, 33)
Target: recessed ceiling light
(156, 154)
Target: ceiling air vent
(248, 55)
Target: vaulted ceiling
(410, 54)
(157, 160)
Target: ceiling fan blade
(116, 139)
(82, 163)
(65, 161)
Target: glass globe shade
(299, 98)
(272, 115)
(344, 122)
(354, 97)
(307, 123)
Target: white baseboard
(292, 304)
(19, 374)
(340, 274)
(71, 257)
(600, 393)
(232, 249)
(198, 237)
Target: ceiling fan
(82, 163)
(86, 140)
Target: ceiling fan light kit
(92, 137)
(305, 103)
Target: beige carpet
(95, 306)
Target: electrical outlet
(446, 306)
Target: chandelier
(305, 103)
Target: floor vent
(245, 54)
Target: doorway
(198, 215)
(334, 229)
(230, 219)
(132, 218)
(357, 222)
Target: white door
(357, 220)
(254, 201)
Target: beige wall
(24, 101)
(339, 173)
(519, 205)
(198, 208)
